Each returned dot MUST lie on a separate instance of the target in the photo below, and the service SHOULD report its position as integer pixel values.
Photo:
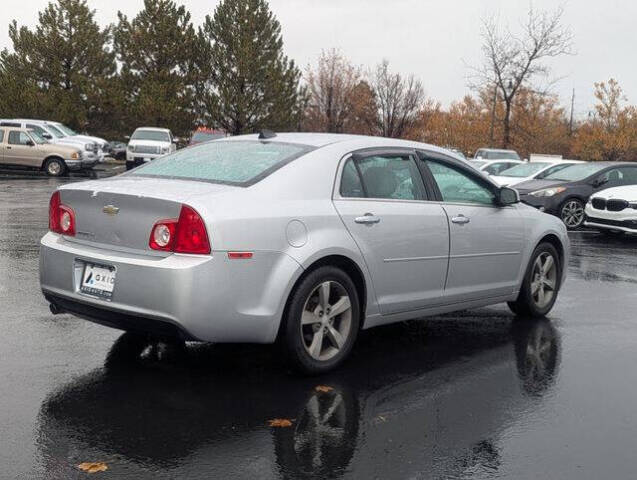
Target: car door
(486, 240)
(402, 235)
(2, 144)
(21, 150)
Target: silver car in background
(298, 238)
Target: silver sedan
(302, 239)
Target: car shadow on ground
(448, 384)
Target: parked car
(613, 210)
(301, 237)
(102, 145)
(494, 167)
(566, 192)
(90, 150)
(530, 170)
(117, 150)
(205, 135)
(149, 143)
(496, 154)
(24, 148)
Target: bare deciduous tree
(514, 61)
(331, 89)
(399, 100)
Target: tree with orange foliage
(611, 131)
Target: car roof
(319, 140)
(497, 150)
(157, 129)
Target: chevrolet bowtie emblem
(110, 209)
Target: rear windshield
(576, 172)
(524, 169)
(240, 163)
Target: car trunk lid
(120, 213)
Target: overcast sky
(433, 39)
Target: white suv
(50, 132)
(69, 133)
(148, 143)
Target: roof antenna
(265, 134)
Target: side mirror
(46, 135)
(508, 196)
(30, 143)
(176, 140)
(127, 137)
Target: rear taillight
(61, 217)
(187, 234)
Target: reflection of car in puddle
(432, 399)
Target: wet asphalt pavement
(470, 395)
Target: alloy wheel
(573, 214)
(326, 320)
(54, 168)
(543, 280)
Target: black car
(117, 150)
(564, 193)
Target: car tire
(572, 213)
(55, 167)
(540, 285)
(321, 322)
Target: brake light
(187, 234)
(61, 217)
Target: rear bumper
(121, 320)
(208, 298)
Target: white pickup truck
(148, 143)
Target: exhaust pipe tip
(55, 310)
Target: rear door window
(389, 176)
(1, 135)
(240, 163)
(18, 138)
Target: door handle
(460, 219)
(368, 219)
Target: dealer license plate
(98, 280)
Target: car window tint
(18, 138)
(458, 186)
(229, 162)
(351, 185)
(1, 136)
(393, 177)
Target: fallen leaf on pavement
(93, 467)
(323, 388)
(280, 422)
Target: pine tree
(253, 84)
(158, 50)
(65, 59)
